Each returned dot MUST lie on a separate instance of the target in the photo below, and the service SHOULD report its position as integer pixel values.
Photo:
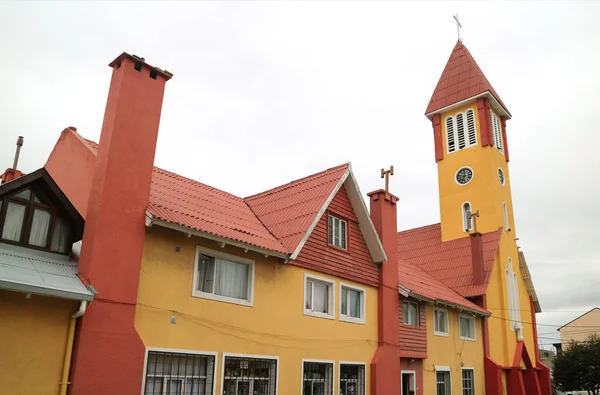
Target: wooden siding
(413, 339)
(355, 263)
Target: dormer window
(338, 232)
(27, 218)
(460, 131)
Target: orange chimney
(110, 354)
(386, 361)
(477, 258)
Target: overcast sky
(268, 92)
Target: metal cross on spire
(387, 174)
(458, 26)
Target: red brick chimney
(109, 355)
(477, 258)
(385, 366)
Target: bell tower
(471, 151)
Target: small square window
(352, 379)
(468, 382)
(440, 322)
(317, 378)
(467, 327)
(443, 385)
(223, 277)
(410, 313)
(352, 304)
(337, 232)
(318, 297)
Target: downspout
(69, 349)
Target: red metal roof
(289, 210)
(450, 261)
(422, 284)
(461, 79)
(275, 220)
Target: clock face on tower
(464, 175)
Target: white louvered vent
(496, 131)
(450, 134)
(471, 127)
(461, 131)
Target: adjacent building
(580, 328)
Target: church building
(466, 274)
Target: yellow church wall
(453, 352)
(503, 339)
(275, 326)
(484, 191)
(33, 337)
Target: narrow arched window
(460, 130)
(450, 134)
(471, 127)
(466, 213)
(513, 296)
(496, 131)
(506, 224)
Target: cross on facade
(458, 25)
(387, 174)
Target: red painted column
(437, 137)
(385, 366)
(109, 357)
(483, 111)
(504, 138)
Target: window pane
(465, 327)
(26, 194)
(317, 379)
(174, 387)
(321, 296)
(13, 223)
(206, 270)
(231, 279)
(405, 318)
(330, 230)
(344, 297)
(308, 293)
(250, 376)
(38, 235)
(60, 236)
(355, 302)
(178, 373)
(343, 224)
(352, 380)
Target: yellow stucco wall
(33, 336)
(503, 339)
(453, 352)
(274, 326)
(484, 191)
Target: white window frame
(332, 363)
(505, 211)
(250, 356)
(337, 230)
(442, 369)
(414, 380)
(461, 380)
(363, 304)
(233, 258)
(473, 325)
(340, 363)
(455, 132)
(437, 333)
(417, 323)
(464, 216)
(331, 298)
(181, 351)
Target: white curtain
(354, 304)
(60, 236)
(344, 301)
(231, 279)
(206, 268)
(13, 223)
(38, 236)
(320, 303)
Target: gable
(355, 263)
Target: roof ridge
(295, 182)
